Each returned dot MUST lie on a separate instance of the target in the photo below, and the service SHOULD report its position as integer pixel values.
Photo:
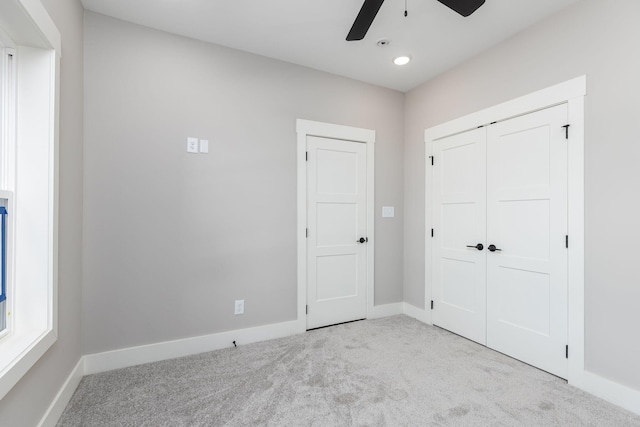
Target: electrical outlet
(239, 308)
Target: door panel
(528, 296)
(337, 277)
(337, 170)
(336, 224)
(522, 160)
(530, 242)
(527, 220)
(336, 282)
(458, 285)
(459, 216)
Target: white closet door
(527, 222)
(337, 219)
(459, 216)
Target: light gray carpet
(387, 372)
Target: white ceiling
(312, 32)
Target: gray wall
(27, 402)
(599, 38)
(172, 239)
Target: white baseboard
(63, 397)
(603, 388)
(386, 310)
(417, 313)
(394, 309)
(611, 391)
(126, 357)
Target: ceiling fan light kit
(370, 9)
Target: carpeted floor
(394, 371)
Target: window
(7, 162)
(28, 198)
(3, 270)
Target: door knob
(492, 248)
(362, 240)
(479, 246)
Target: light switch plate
(388, 212)
(192, 145)
(204, 146)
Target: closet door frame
(572, 93)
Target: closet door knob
(492, 248)
(479, 246)
(362, 240)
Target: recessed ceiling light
(401, 60)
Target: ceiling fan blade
(463, 7)
(364, 19)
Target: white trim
(396, 308)
(34, 313)
(302, 229)
(35, 24)
(610, 391)
(116, 359)
(544, 98)
(428, 218)
(306, 128)
(371, 216)
(417, 313)
(329, 130)
(101, 362)
(386, 310)
(30, 347)
(575, 268)
(572, 93)
(62, 399)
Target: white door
(505, 187)
(527, 222)
(459, 217)
(337, 220)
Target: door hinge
(306, 156)
(431, 304)
(566, 241)
(432, 160)
(306, 232)
(432, 232)
(566, 352)
(307, 309)
(566, 131)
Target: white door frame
(306, 128)
(571, 92)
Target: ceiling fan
(370, 9)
